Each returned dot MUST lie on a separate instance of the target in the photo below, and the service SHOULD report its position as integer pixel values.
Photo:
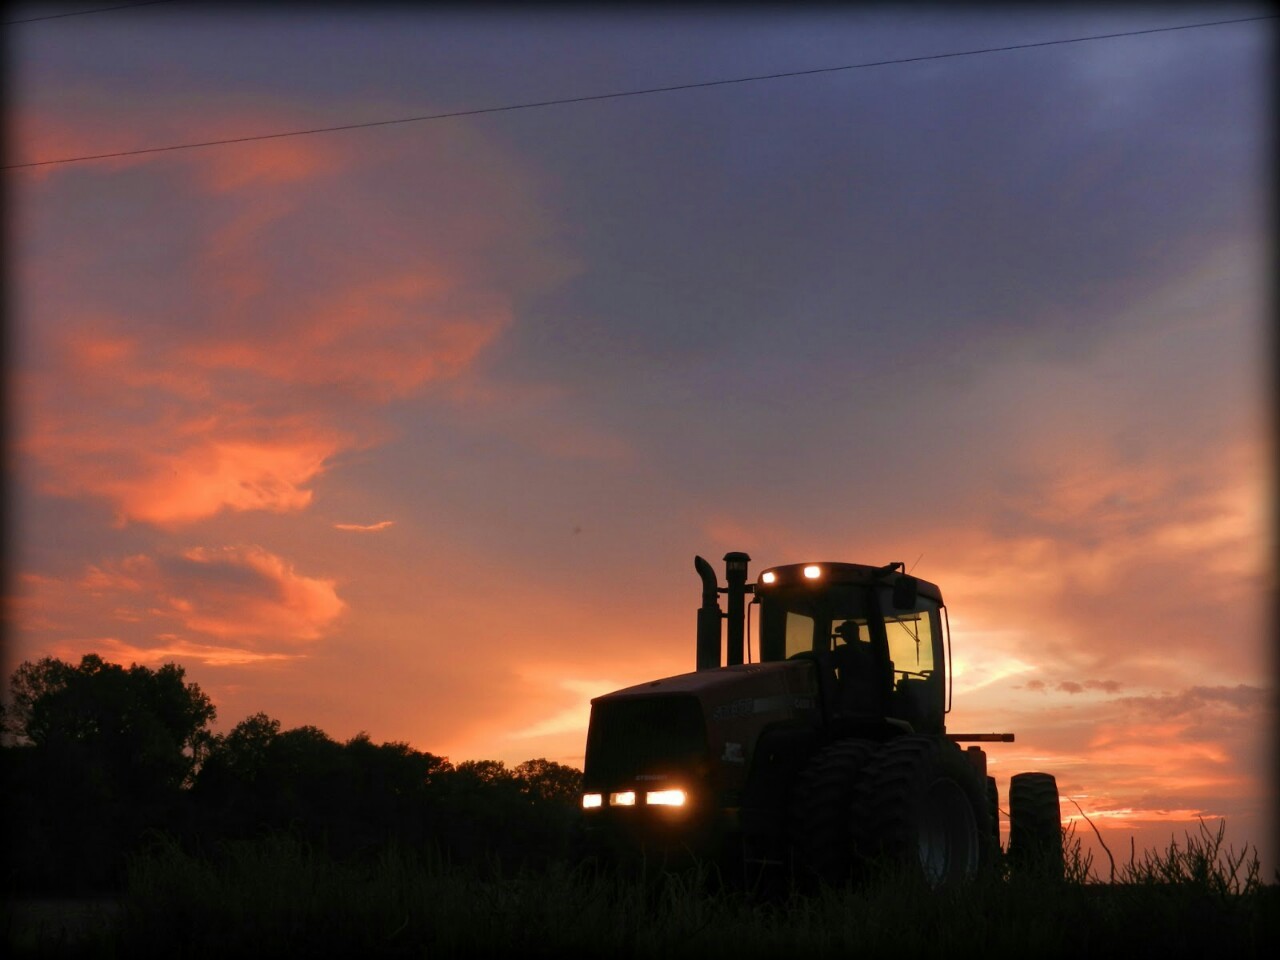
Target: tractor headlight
(591, 800)
(665, 798)
(812, 572)
(768, 577)
(626, 798)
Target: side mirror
(904, 593)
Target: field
(278, 898)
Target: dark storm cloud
(1012, 196)
(1072, 686)
(1008, 196)
(1241, 698)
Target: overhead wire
(81, 13)
(505, 108)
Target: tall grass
(277, 897)
(1201, 863)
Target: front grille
(660, 736)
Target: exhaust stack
(709, 614)
(709, 617)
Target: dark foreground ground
(278, 899)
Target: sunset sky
(416, 429)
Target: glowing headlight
(590, 800)
(768, 577)
(813, 572)
(665, 798)
(626, 798)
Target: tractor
(821, 756)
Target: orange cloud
(172, 463)
(208, 477)
(168, 649)
(255, 604)
(306, 305)
(267, 163)
(379, 339)
(250, 592)
(364, 528)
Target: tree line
(100, 759)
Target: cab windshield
(886, 660)
(798, 621)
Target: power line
(81, 13)
(618, 95)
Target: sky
(416, 429)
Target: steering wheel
(913, 673)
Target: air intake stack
(735, 568)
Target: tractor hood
(734, 705)
(729, 683)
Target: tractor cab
(877, 638)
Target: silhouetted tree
(551, 782)
(247, 748)
(149, 722)
(101, 754)
(520, 815)
(351, 798)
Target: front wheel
(821, 819)
(923, 806)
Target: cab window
(910, 639)
(799, 633)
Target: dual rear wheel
(912, 802)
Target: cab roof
(829, 572)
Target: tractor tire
(821, 827)
(1035, 827)
(923, 807)
(993, 810)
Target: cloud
(168, 649)
(179, 460)
(1242, 698)
(237, 604)
(294, 289)
(208, 477)
(1073, 686)
(269, 163)
(378, 339)
(364, 528)
(248, 592)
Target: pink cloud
(268, 163)
(378, 339)
(310, 298)
(210, 476)
(251, 603)
(178, 460)
(364, 528)
(168, 649)
(231, 592)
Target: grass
(279, 898)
